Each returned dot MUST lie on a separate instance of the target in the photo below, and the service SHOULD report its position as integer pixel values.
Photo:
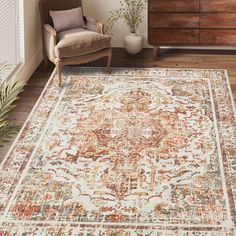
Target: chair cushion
(77, 42)
(68, 19)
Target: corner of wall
(29, 67)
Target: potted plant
(9, 92)
(131, 13)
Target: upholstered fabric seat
(77, 42)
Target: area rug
(138, 152)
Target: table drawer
(218, 6)
(174, 5)
(218, 37)
(218, 20)
(173, 20)
(173, 37)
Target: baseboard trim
(28, 69)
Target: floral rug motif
(138, 152)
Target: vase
(133, 43)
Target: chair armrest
(50, 41)
(50, 30)
(94, 25)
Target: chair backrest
(45, 6)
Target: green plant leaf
(130, 12)
(9, 93)
(7, 131)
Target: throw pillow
(68, 19)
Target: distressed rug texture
(138, 152)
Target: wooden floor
(202, 59)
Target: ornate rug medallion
(137, 152)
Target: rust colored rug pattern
(138, 152)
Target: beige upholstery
(78, 42)
(75, 46)
(94, 25)
(50, 41)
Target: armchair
(74, 46)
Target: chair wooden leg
(45, 60)
(109, 57)
(59, 69)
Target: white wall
(32, 40)
(100, 9)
